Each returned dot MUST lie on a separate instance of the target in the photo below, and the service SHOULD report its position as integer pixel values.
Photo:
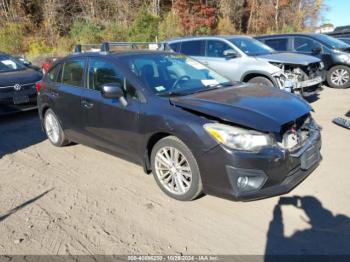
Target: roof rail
(105, 46)
(79, 47)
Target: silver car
(242, 58)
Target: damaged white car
(242, 58)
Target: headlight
(321, 65)
(345, 58)
(238, 138)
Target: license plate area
(17, 100)
(310, 157)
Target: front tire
(339, 77)
(54, 130)
(175, 169)
(261, 80)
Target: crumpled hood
(26, 76)
(253, 106)
(289, 58)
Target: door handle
(87, 104)
(205, 63)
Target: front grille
(10, 88)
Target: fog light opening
(242, 182)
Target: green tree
(170, 27)
(144, 27)
(11, 38)
(86, 32)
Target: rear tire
(261, 80)
(339, 77)
(54, 130)
(175, 169)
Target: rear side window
(53, 74)
(216, 48)
(302, 44)
(279, 44)
(73, 73)
(175, 47)
(193, 48)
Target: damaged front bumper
(301, 84)
(246, 176)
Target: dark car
(334, 53)
(182, 121)
(17, 85)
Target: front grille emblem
(17, 87)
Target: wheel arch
(251, 74)
(152, 140)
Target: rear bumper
(278, 171)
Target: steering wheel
(184, 77)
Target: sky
(338, 13)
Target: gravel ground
(76, 200)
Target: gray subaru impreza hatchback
(193, 128)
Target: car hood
(253, 106)
(25, 76)
(289, 58)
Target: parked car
(194, 129)
(334, 53)
(346, 40)
(242, 58)
(17, 85)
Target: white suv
(242, 58)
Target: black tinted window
(73, 73)
(193, 48)
(280, 44)
(53, 74)
(102, 72)
(216, 48)
(175, 47)
(302, 44)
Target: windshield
(10, 64)
(173, 73)
(332, 42)
(251, 46)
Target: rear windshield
(10, 64)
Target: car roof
(116, 53)
(288, 34)
(179, 39)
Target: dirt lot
(76, 200)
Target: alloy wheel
(52, 128)
(340, 77)
(173, 170)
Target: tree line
(53, 26)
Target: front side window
(279, 44)
(250, 46)
(101, 73)
(173, 73)
(216, 48)
(8, 63)
(193, 48)
(305, 45)
(73, 73)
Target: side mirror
(230, 53)
(316, 50)
(114, 91)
